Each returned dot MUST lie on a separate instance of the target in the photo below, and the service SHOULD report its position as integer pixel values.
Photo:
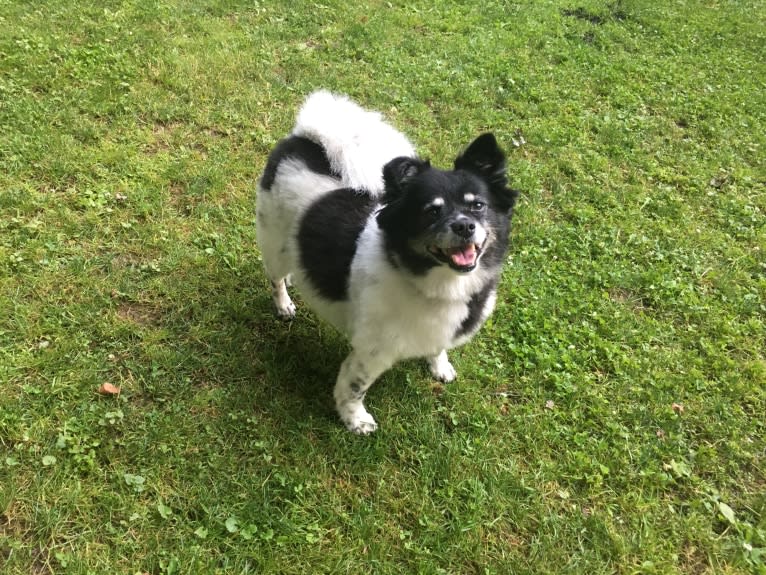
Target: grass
(610, 418)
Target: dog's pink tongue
(464, 256)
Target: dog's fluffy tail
(358, 142)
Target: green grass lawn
(611, 416)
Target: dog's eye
(433, 211)
(477, 206)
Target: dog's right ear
(398, 173)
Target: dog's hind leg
(441, 368)
(276, 261)
(279, 279)
(357, 373)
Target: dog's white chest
(408, 317)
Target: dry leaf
(108, 389)
(437, 388)
(678, 408)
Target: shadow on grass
(212, 348)
(231, 339)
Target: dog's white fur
(389, 315)
(358, 142)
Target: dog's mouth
(461, 258)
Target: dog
(403, 257)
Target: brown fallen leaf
(437, 388)
(678, 408)
(108, 389)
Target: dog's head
(458, 218)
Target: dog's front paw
(441, 368)
(445, 373)
(286, 311)
(358, 421)
(282, 302)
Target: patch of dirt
(583, 14)
(125, 260)
(138, 313)
(18, 529)
(181, 200)
(164, 133)
(614, 11)
(629, 299)
(693, 560)
(41, 561)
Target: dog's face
(458, 218)
(445, 216)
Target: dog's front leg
(441, 368)
(283, 303)
(357, 373)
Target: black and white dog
(403, 257)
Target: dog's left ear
(484, 158)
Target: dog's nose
(463, 227)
